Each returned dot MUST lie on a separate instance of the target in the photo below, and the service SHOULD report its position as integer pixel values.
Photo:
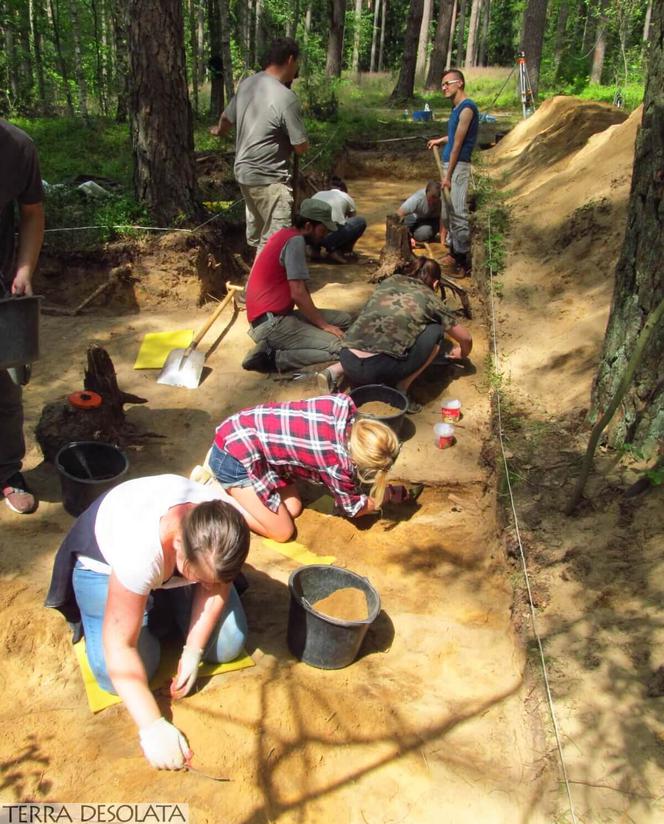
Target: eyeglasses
(448, 83)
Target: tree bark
(226, 57)
(484, 39)
(639, 277)
(441, 41)
(160, 115)
(461, 33)
(374, 37)
(78, 59)
(473, 28)
(258, 32)
(193, 46)
(533, 38)
(121, 58)
(423, 43)
(335, 40)
(216, 61)
(448, 59)
(382, 35)
(600, 45)
(243, 17)
(406, 82)
(57, 43)
(396, 254)
(37, 18)
(357, 31)
(559, 43)
(646, 22)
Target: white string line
(533, 617)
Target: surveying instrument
(525, 89)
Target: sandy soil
(432, 723)
(596, 577)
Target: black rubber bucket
(384, 394)
(317, 639)
(87, 469)
(19, 330)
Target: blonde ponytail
(373, 449)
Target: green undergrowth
(492, 221)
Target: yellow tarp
(156, 346)
(298, 552)
(99, 699)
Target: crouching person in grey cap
(289, 330)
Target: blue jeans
(91, 588)
(345, 236)
(227, 469)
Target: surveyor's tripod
(525, 89)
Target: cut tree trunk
(61, 423)
(396, 254)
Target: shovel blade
(181, 371)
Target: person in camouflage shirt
(401, 329)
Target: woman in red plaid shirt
(258, 454)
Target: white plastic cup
(450, 410)
(444, 435)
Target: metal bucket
(19, 330)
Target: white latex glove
(187, 672)
(164, 746)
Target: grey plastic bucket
(87, 469)
(317, 639)
(19, 330)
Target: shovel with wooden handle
(447, 197)
(184, 367)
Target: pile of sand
(567, 172)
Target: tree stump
(61, 423)
(396, 254)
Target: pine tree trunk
(646, 22)
(26, 74)
(62, 65)
(99, 70)
(448, 59)
(461, 33)
(406, 82)
(559, 44)
(441, 41)
(382, 35)
(533, 37)
(258, 32)
(335, 40)
(193, 47)
(119, 13)
(227, 59)
(639, 278)
(600, 46)
(37, 18)
(160, 115)
(243, 15)
(216, 61)
(374, 37)
(79, 71)
(473, 28)
(423, 43)
(357, 31)
(484, 40)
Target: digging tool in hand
(184, 367)
(447, 197)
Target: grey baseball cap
(318, 210)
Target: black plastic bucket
(87, 469)
(317, 639)
(19, 330)
(384, 394)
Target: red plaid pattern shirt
(277, 442)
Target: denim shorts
(227, 469)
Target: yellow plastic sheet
(99, 699)
(298, 552)
(156, 346)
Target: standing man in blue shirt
(459, 144)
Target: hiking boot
(326, 382)
(259, 359)
(18, 496)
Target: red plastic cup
(451, 410)
(444, 435)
